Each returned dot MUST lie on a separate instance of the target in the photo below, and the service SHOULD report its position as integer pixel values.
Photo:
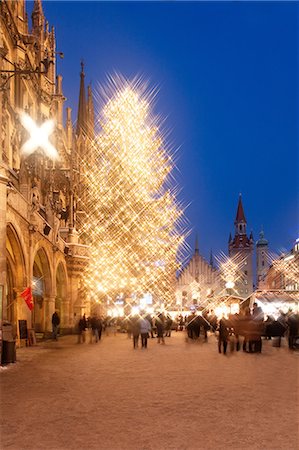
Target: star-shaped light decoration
(39, 137)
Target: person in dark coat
(99, 326)
(244, 328)
(96, 328)
(168, 326)
(55, 325)
(256, 329)
(205, 324)
(278, 329)
(223, 335)
(135, 329)
(293, 325)
(82, 325)
(268, 327)
(160, 325)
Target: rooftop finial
(211, 259)
(82, 110)
(196, 243)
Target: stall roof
(276, 296)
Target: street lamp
(7, 74)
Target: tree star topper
(39, 137)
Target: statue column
(3, 207)
(49, 311)
(65, 319)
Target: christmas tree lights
(132, 222)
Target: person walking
(82, 325)
(223, 335)
(145, 328)
(99, 326)
(135, 330)
(293, 329)
(55, 325)
(149, 318)
(168, 326)
(94, 329)
(160, 325)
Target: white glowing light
(229, 285)
(39, 137)
(135, 310)
(234, 308)
(222, 311)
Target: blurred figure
(278, 329)
(55, 325)
(205, 324)
(149, 318)
(93, 329)
(268, 327)
(213, 321)
(191, 326)
(168, 325)
(99, 325)
(231, 332)
(145, 328)
(160, 325)
(113, 326)
(236, 330)
(82, 325)
(129, 327)
(135, 329)
(244, 322)
(256, 328)
(293, 331)
(181, 323)
(223, 335)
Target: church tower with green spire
(262, 259)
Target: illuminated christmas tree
(133, 219)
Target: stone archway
(41, 290)
(16, 279)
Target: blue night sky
(227, 74)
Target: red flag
(27, 296)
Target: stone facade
(198, 283)
(283, 273)
(39, 243)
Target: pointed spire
(196, 244)
(37, 7)
(82, 110)
(251, 236)
(211, 259)
(240, 216)
(38, 18)
(90, 112)
(230, 238)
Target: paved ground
(61, 396)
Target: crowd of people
(244, 330)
